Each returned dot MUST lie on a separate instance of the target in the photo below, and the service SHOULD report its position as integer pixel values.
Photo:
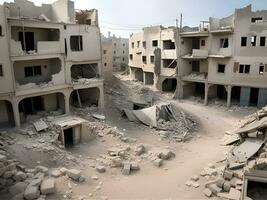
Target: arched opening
(40, 105)
(85, 97)
(139, 75)
(6, 114)
(169, 85)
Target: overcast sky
(123, 17)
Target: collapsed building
(221, 58)
(152, 57)
(52, 59)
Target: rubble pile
(242, 174)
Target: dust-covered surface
(121, 160)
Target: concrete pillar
(206, 94)
(15, 106)
(67, 102)
(144, 78)
(229, 95)
(101, 98)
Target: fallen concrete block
(207, 192)
(74, 174)
(42, 169)
(228, 174)
(17, 188)
(189, 183)
(56, 173)
(135, 166)
(215, 189)
(166, 154)
(19, 176)
(126, 169)
(81, 179)
(195, 184)
(220, 181)
(101, 169)
(40, 125)
(194, 178)
(139, 150)
(3, 158)
(48, 186)
(232, 195)
(158, 162)
(63, 170)
(227, 186)
(31, 192)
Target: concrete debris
(158, 162)
(40, 125)
(74, 174)
(101, 169)
(207, 192)
(31, 192)
(126, 168)
(100, 117)
(18, 188)
(48, 186)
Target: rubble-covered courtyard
(181, 158)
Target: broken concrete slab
(74, 174)
(126, 168)
(207, 192)
(215, 189)
(40, 125)
(234, 194)
(48, 186)
(31, 192)
(98, 116)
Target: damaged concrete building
(153, 57)
(52, 59)
(120, 51)
(226, 58)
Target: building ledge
(195, 34)
(192, 57)
(34, 56)
(196, 77)
(219, 56)
(222, 31)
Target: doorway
(29, 40)
(254, 93)
(68, 137)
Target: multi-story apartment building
(107, 58)
(153, 57)
(47, 60)
(120, 51)
(223, 58)
(226, 58)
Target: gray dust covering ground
(120, 159)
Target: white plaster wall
(6, 82)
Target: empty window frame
(221, 68)
(256, 19)
(152, 59)
(144, 59)
(138, 44)
(105, 64)
(243, 41)
(123, 52)
(123, 59)
(123, 44)
(132, 44)
(76, 43)
(114, 52)
(261, 69)
(224, 43)
(262, 41)
(105, 51)
(168, 44)
(32, 71)
(115, 44)
(203, 43)
(244, 69)
(1, 71)
(253, 40)
(154, 43)
(144, 44)
(131, 56)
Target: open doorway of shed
(169, 85)
(71, 136)
(68, 137)
(85, 97)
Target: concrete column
(229, 95)
(15, 106)
(206, 94)
(101, 98)
(67, 103)
(144, 78)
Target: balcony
(200, 77)
(43, 48)
(197, 54)
(168, 54)
(222, 53)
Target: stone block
(207, 192)
(18, 188)
(101, 169)
(31, 192)
(158, 162)
(126, 169)
(74, 174)
(48, 186)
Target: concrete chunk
(135, 166)
(74, 174)
(158, 162)
(227, 186)
(17, 188)
(19, 176)
(56, 173)
(48, 186)
(31, 192)
(126, 169)
(228, 175)
(207, 192)
(101, 169)
(215, 189)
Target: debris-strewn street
(119, 159)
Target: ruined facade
(226, 58)
(48, 62)
(153, 57)
(107, 58)
(120, 51)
